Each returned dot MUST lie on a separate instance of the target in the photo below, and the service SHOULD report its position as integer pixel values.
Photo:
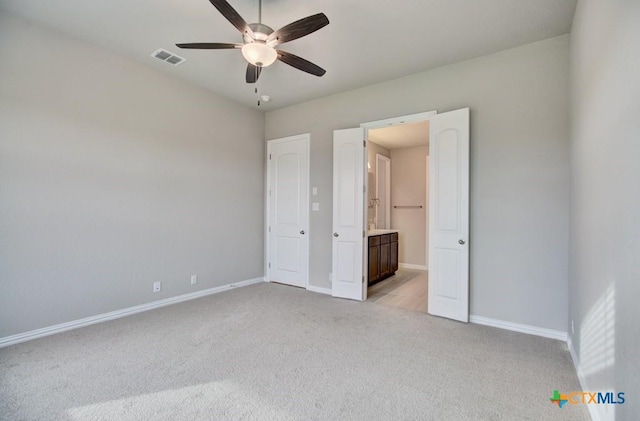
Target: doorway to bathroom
(353, 246)
(398, 204)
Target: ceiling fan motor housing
(261, 31)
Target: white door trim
(306, 138)
(395, 121)
(387, 193)
(426, 211)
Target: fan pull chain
(257, 90)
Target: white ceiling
(401, 136)
(365, 43)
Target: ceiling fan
(259, 41)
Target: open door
(348, 214)
(449, 215)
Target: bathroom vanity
(383, 254)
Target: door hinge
(363, 279)
(362, 233)
(269, 156)
(364, 143)
(269, 265)
(269, 228)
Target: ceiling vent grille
(168, 57)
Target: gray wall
(519, 170)
(113, 176)
(409, 187)
(605, 199)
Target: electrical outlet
(157, 286)
(194, 279)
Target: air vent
(168, 57)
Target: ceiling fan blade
(299, 28)
(300, 63)
(232, 16)
(209, 45)
(253, 73)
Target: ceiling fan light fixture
(259, 41)
(259, 54)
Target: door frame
(426, 237)
(306, 138)
(379, 124)
(387, 184)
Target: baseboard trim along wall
(593, 409)
(411, 266)
(517, 327)
(63, 327)
(320, 290)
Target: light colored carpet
(272, 352)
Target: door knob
(302, 232)
(335, 234)
(460, 241)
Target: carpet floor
(272, 352)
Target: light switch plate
(315, 206)
(314, 191)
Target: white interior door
(449, 215)
(348, 214)
(383, 192)
(288, 220)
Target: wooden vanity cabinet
(393, 252)
(383, 256)
(374, 259)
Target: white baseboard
(320, 290)
(87, 321)
(411, 266)
(593, 409)
(517, 327)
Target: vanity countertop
(371, 233)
